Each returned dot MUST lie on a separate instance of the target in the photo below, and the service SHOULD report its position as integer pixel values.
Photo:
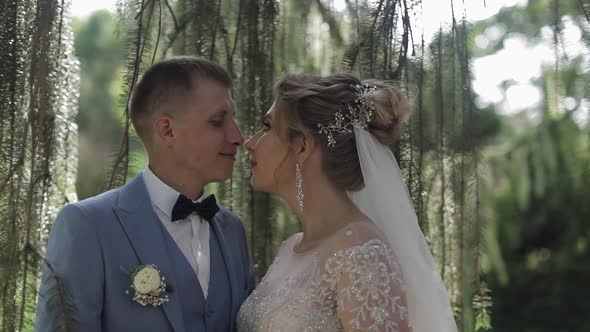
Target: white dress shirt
(190, 234)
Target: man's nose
(235, 134)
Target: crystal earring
(299, 185)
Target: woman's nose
(248, 144)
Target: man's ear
(164, 129)
(304, 145)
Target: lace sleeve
(370, 289)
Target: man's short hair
(167, 82)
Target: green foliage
(537, 187)
(526, 20)
(541, 215)
(38, 89)
(482, 302)
(99, 127)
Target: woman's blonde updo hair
(306, 101)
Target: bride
(361, 262)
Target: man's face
(206, 135)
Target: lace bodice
(351, 282)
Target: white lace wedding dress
(348, 282)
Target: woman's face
(272, 162)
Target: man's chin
(223, 176)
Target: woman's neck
(326, 212)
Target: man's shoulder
(105, 200)
(127, 195)
(99, 205)
(228, 216)
(95, 212)
(229, 220)
(83, 218)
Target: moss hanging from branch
(37, 176)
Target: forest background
(496, 154)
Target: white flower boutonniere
(148, 285)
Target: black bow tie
(184, 207)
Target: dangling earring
(299, 185)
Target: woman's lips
(253, 164)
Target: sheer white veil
(386, 201)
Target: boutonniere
(147, 285)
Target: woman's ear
(304, 146)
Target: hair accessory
(358, 114)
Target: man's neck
(184, 183)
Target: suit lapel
(144, 231)
(217, 226)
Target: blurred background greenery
(499, 173)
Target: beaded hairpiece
(358, 115)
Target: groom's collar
(161, 194)
(133, 195)
(146, 188)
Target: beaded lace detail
(354, 289)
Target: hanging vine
(38, 92)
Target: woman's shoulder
(354, 237)
(359, 242)
(292, 239)
(361, 254)
(288, 243)
(358, 234)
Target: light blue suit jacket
(93, 239)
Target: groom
(155, 254)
